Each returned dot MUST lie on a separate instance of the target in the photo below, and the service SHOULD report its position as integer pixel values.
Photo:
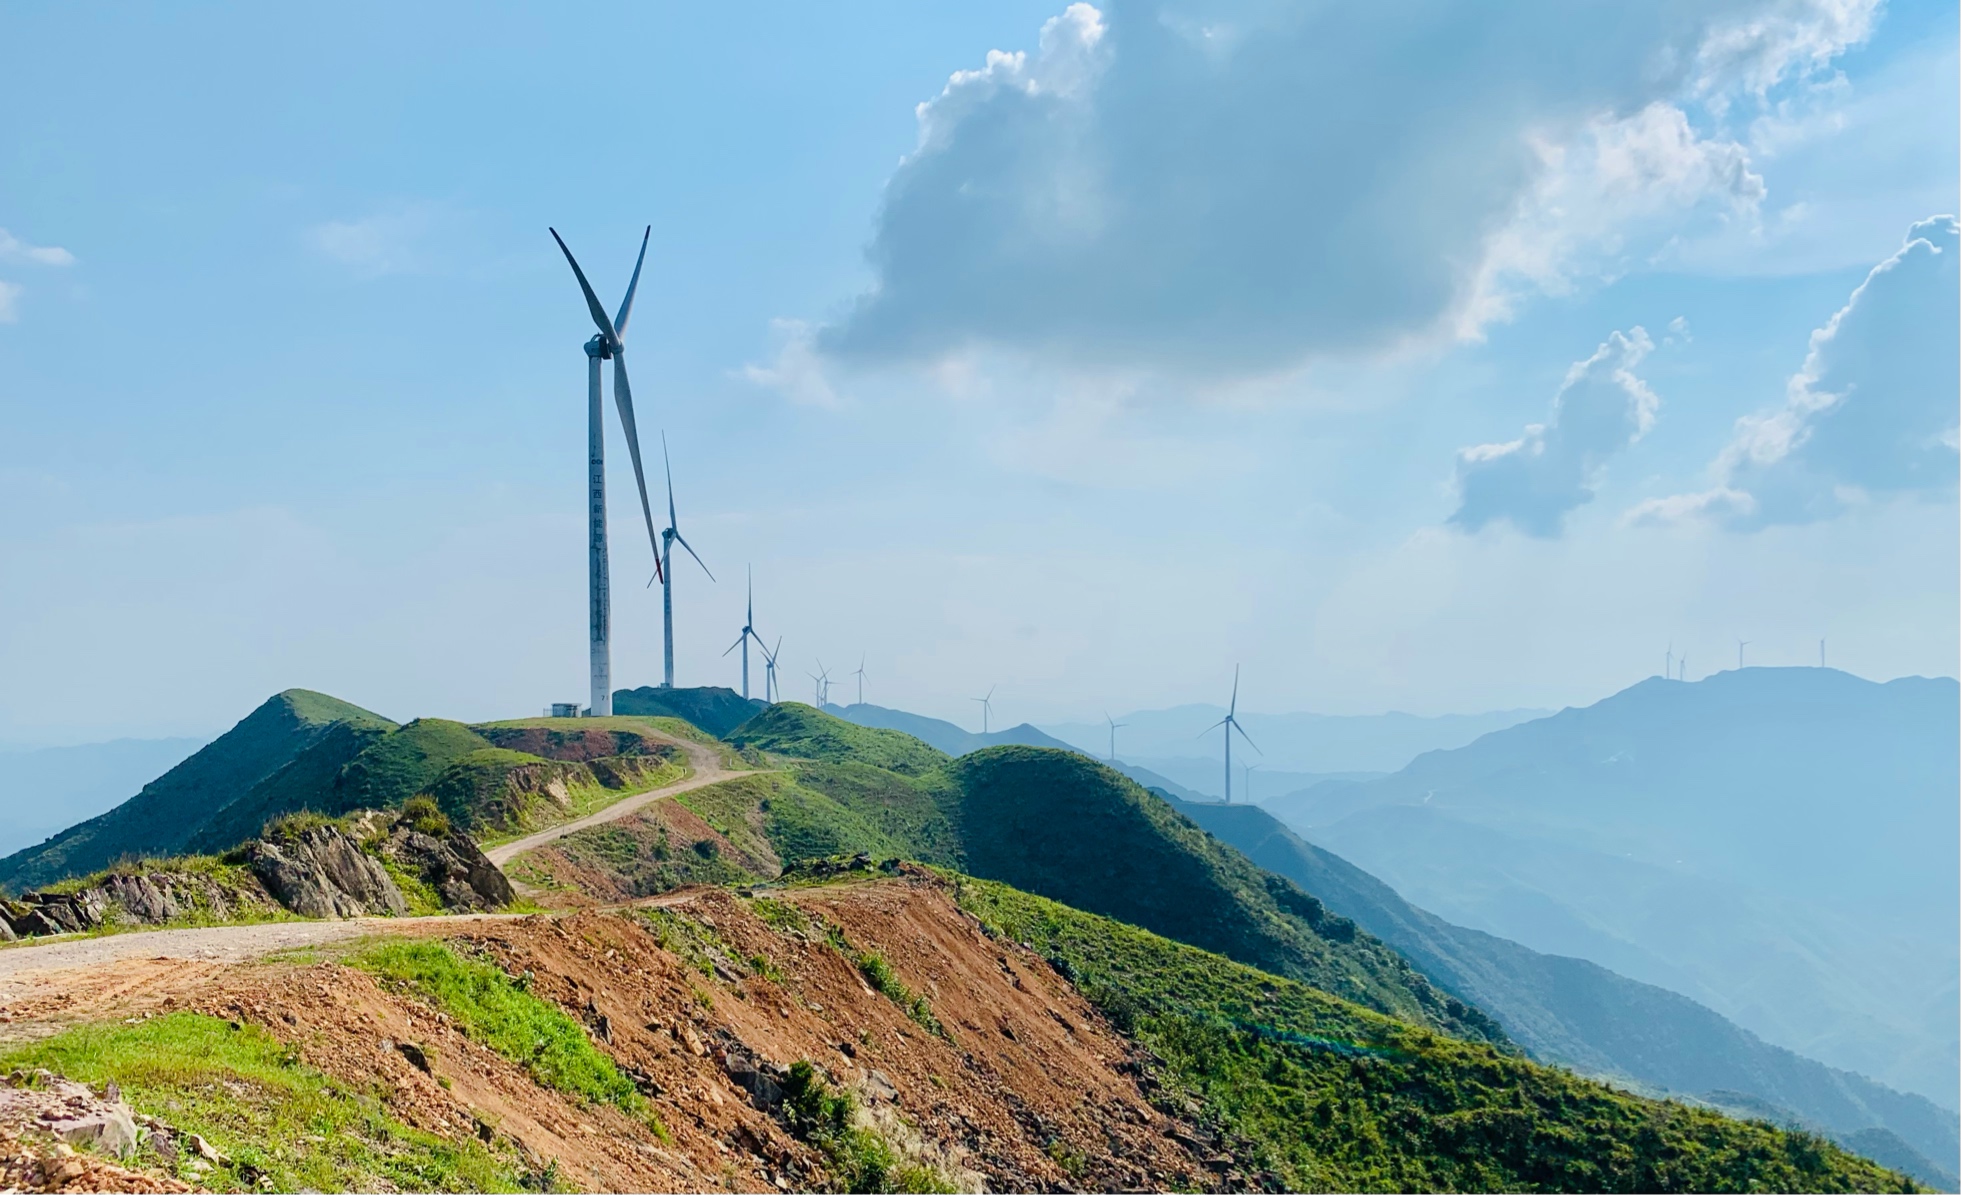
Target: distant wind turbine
(1246, 772)
(1668, 666)
(860, 674)
(770, 691)
(1682, 667)
(1821, 653)
(823, 678)
(1231, 723)
(748, 633)
(1115, 726)
(987, 705)
(608, 344)
(1740, 645)
(670, 536)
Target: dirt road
(708, 769)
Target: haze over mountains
(51, 788)
(1778, 844)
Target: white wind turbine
(608, 344)
(1231, 723)
(669, 536)
(748, 633)
(987, 706)
(1115, 726)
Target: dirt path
(708, 769)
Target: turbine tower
(748, 633)
(1246, 771)
(1740, 645)
(1115, 726)
(1231, 723)
(987, 705)
(609, 343)
(1668, 667)
(860, 674)
(669, 536)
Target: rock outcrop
(463, 877)
(322, 872)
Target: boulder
(109, 1130)
(321, 872)
(462, 875)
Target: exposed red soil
(574, 746)
(1029, 1089)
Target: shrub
(422, 814)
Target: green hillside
(1069, 828)
(346, 770)
(1571, 1011)
(1048, 821)
(162, 818)
(716, 710)
(1327, 1096)
(794, 729)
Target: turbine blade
(736, 644)
(592, 301)
(1249, 738)
(691, 551)
(623, 399)
(633, 284)
(669, 466)
(1234, 708)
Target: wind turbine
(860, 674)
(609, 343)
(1231, 723)
(669, 536)
(769, 669)
(1115, 726)
(1682, 667)
(1740, 645)
(987, 705)
(1246, 771)
(823, 678)
(748, 633)
(1668, 667)
(1821, 653)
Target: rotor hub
(597, 347)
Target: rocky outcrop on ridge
(322, 872)
(464, 879)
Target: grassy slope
(251, 1097)
(1571, 1011)
(351, 768)
(1056, 823)
(714, 709)
(162, 818)
(797, 730)
(1330, 1096)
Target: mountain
(711, 707)
(1775, 843)
(1316, 743)
(941, 735)
(295, 728)
(51, 788)
(1582, 1015)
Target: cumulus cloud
(15, 250)
(1871, 413)
(1533, 481)
(1230, 188)
(796, 372)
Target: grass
(476, 790)
(858, 1157)
(250, 1096)
(497, 1011)
(1331, 1096)
(796, 730)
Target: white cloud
(1533, 481)
(1220, 190)
(391, 242)
(796, 372)
(1872, 411)
(13, 249)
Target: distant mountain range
(1575, 1012)
(1314, 743)
(942, 735)
(1776, 843)
(49, 789)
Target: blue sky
(1081, 351)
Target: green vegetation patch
(909, 813)
(490, 1007)
(796, 730)
(405, 762)
(280, 1122)
(858, 1158)
(1331, 1096)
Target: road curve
(708, 769)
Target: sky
(1457, 358)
